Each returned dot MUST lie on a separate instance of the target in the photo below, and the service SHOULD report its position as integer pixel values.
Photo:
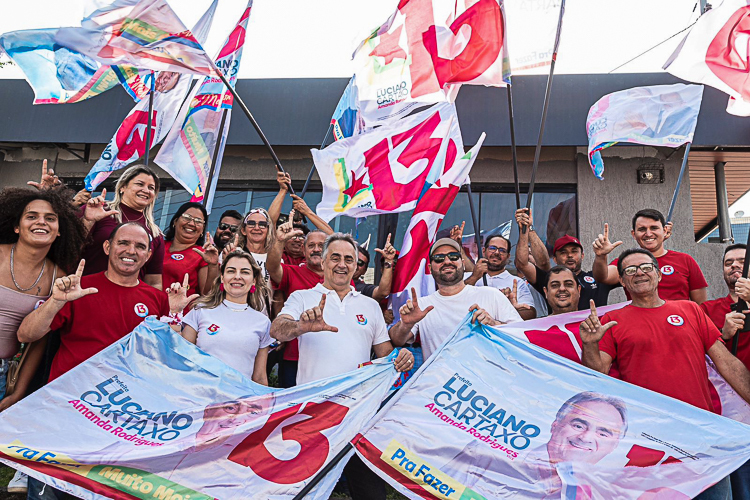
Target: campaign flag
(346, 120)
(411, 268)
(384, 170)
(188, 150)
(129, 141)
(147, 35)
(715, 53)
(153, 416)
(659, 115)
(425, 48)
(531, 28)
(489, 416)
(57, 74)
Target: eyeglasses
(297, 237)
(224, 227)
(493, 248)
(194, 220)
(361, 263)
(262, 224)
(631, 270)
(440, 257)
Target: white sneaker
(19, 483)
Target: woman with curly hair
(189, 251)
(256, 236)
(40, 238)
(230, 322)
(135, 195)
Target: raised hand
(742, 289)
(81, 198)
(668, 230)
(312, 319)
(209, 252)
(286, 231)
(480, 268)
(231, 245)
(512, 295)
(481, 316)
(591, 329)
(602, 245)
(96, 209)
(299, 206)
(49, 179)
(404, 360)
(68, 288)
(524, 218)
(457, 232)
(178, 298)
(284, 180)
(411, 313)
(388, 252)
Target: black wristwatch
(387, 265)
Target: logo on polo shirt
(667, 270)
(361, 319)
(675, 320)
(141, 310)
(39, 303)
(589, 279)
(178, 256)
(213, 329)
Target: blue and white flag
(490, 416)
(153, 416)
(346, 119)
(660, 115)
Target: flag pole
(150, 114)
(538, 150)
(323, 472)
(254, 123)
(475, 223)
(513, 146)
(312, 169)
(215, 157)
(679, 183)
(741, 305)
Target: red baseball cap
(566, 240)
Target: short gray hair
(340, 237)
(314, 231)
(595, 397)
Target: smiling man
(562, 290)
(681, 277)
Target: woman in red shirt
(187, 250)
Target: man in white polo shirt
(337, 328)
(436, 316)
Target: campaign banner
(386, 169)
(532, 26)
(492, 416)
(154, 417)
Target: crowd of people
(266, 290)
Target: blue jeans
(720, 491)
(40, 491)
(741, 482)
(4, 365)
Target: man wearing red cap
(568, 252)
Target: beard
(443, 278)
(495, 267)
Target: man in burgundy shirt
(660, 344)
(681, 277)
(289, 278)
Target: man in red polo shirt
(289, 278)
(682, 278)
(660, 344)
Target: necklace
(236, 310)
(13, 275)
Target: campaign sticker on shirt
(141, 310)
(589, 279)
(39, 303)
(177, 256)
(667, 270)
(675, 320)
(361, 319)
(213, 329)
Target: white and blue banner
(152, 416)
(491, 416)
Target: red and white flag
(716, 53)
(411, 268)
(426, 47)
(385, 170)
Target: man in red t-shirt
(681, 277)
(289, 278)
(94, 311)
(728, 321)
(660, 344)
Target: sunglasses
(440, 257)
(493, 248)
(194, 220)
(631, 270)
(262, 224)
(227, 227)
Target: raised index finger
(592, 304)
(322, 302)
(606, 231)
(44, 168)
(81, 265)
(388, 240)
(185, 281)
(414, 297)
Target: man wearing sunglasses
(383, 289)
(661, 344)
(434, 317)
(228, 225)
